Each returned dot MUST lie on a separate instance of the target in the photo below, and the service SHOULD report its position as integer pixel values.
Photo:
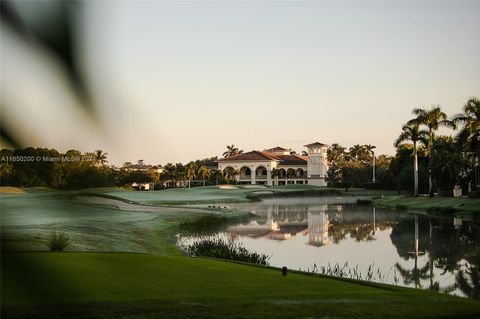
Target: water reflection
(282, 222)
(318, 223)
(438, 253)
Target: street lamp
(373, 168)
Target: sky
(178, 81)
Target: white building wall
(252, 165)
(317, 166)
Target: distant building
(256, 167)
(140, 166)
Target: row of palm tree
(421, 132)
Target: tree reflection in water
(443, 250)
(452, 247)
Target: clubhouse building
(256, 167)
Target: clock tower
(317, 164)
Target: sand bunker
(227, 187)
(12, 190)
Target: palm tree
(203, 173)
(411, 132)
(216, 174)
(231, 151)
(275, 173)
(230, 173)
(100, 157)
(290, 173)
(432, 118)
(469, 120)
(359, 153)
(468, 138)
(190, 172)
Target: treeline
(45, 167)
(424, 161)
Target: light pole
(373, 168)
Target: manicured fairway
(107, 285)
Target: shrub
(219, 248)
(58, 241)
(400, 207)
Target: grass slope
(112, 285)
(461, 204)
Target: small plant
(219, 248)
(353, 273)
(58, 241)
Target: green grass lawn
(213, 194)
(462, 204)
(113, 285)
(164, 284)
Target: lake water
(439, 253)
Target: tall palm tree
(100, 157)
(469, 121)
(230, 173)
(468, 138)
(216, 174)
(432, 118)
(290, 174)
(231, 151)
(190, 172)
(412, 133)
(275, 173)
(203, 173)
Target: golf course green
(113, 285)
(123, 263)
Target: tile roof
(251, 156)
(264, 156)
(292, 160)
(276, 149)
(316, 144)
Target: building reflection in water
(283, 222)
(439, 253)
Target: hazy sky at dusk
(177, 81)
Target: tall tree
(412, 133)
(231, 151)
(468, 138)
(432, 118)
(100, 157)
(230, 173)
(216, 175)
(190, 172)
(203, 173)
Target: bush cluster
(219, 248)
